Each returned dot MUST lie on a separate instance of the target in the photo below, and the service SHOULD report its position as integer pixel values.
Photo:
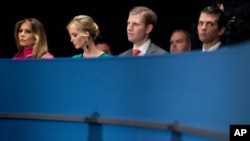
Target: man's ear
(222, 30)
(149, 28)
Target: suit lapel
(151, 48)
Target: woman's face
(26, 36)
(78, 40)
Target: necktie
(136, 52)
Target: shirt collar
(213, 48)
(143, 48)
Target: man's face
(136, 28)
(208, 28)
(179, 43)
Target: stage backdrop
(185, 97)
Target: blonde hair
(149, 15)
(83, 24)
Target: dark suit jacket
(222, 47)
(153, 49)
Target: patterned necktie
(136, 52)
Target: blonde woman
(83, 32)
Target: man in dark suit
(211, 26)
(140, 24)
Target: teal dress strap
(77, 56)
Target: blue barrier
(169, 97)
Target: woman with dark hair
(31, 40)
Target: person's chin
(202, 37)
(76, 47)
(131, 40)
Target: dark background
(111, 16)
